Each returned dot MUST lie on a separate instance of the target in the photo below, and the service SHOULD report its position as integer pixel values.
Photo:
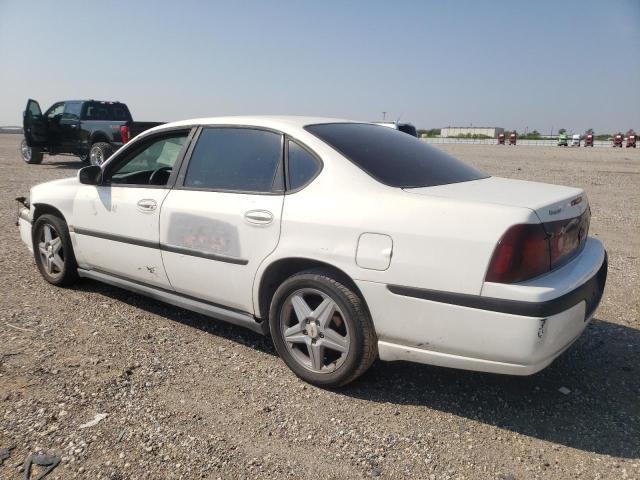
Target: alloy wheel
(25, 151)
(51, 251)
(315, 330)
(96, 156)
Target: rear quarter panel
(438, 243)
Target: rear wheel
(30, 155)
(100, 153)
(53, 251)
(322, 329)
(84, 158)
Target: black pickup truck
(89, 129)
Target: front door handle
(259, 217)
(147, 205)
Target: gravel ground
(189, 397)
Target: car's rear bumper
(477, 332)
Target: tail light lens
(528, 250)
(125, 133)
(566, 237)
(521, 253)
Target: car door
(52, 119)
(70, 127)
(223, 216)
(34, 125)
(116, 223)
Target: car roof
(90, 100)
(272, 121)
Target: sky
(513, 64)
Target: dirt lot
(189, 397)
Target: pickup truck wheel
(100, 153)
(53, 251)
(84, 158)
(30, 155)
(321, 329)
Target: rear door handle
(147, 205)
(259, 217)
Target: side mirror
(91, 175)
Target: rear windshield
(406, 128)
(106, 111)
(392, 157)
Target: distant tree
(589, 131)
(432, 132)
(630, 132)
(562, 130)
(533, 135)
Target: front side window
(152, 164)
(303, 166)
(235, 159)
(392, 157)
(55, 111)
(34, 109)
(72, 111)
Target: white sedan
(344, 241)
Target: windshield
(392, 157)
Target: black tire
(362, 343)
(68, 274)
(100, 153)
(84, 158)
(30, 155)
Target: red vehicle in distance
(513, 138)
(617, 140)
(501, 139)
(631, 140)
(588, 140)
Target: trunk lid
(550, 202)
(527, 250)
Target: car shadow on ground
(63, 164)
(218, 328)
(600, 413)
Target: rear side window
(106, 111)
(392, 157)
(303, 166)
(235, 159)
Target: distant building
(459, 131)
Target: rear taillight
(531, 249)
(522, 253)
(566, 237)
(125, 133)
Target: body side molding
(162, 246)
(590, 291)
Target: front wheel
(321, 329)
(100, 153)
(53, 251)
(30, 155)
